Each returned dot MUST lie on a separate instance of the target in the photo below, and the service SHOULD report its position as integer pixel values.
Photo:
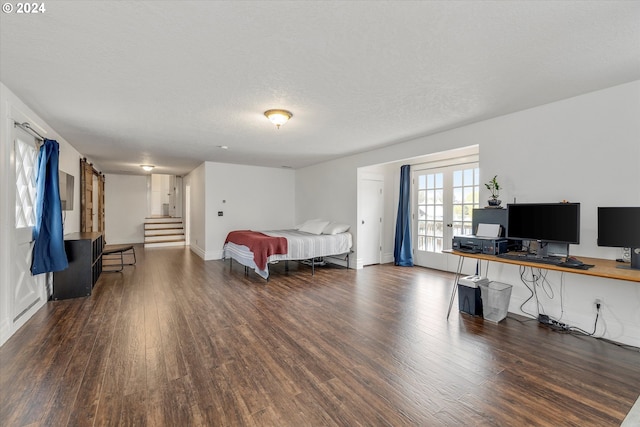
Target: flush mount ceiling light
(278, 117)
(147, 168)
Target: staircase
(163, 231)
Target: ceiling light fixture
(278, 117)
(147, 168)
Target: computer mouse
(572, 261)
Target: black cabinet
(84, 253)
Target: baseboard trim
(633, 417)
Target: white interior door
(371, 216)
(27, 290)
(187, 215)
(443, 203)
(172, 196)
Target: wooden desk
(601, 268)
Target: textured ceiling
(167, 82)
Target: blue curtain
(402, 252)
(48, 233)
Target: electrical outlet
(597, 303)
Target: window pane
(422, 182)
(439, 197)
(430, 228)
(457, 228)
(439, 180)
(467, 213)
(430, 181)
(468, 194)
(468, 229)
(422, 197)
(439, 213)
(457, 213)
(457, 178)
(439, 227)
(430, 245)
(439, 245)
(430, 197)
(422, 243)
(457, 195)
(468, 177)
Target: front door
(443, 203)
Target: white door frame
(437, 260)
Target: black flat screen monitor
(544, 222)
(619, 227)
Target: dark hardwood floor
(176, 341)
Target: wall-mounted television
(66, 190)
(557, 224)
(619, 227)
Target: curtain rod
(26, 126)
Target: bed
(258, 249)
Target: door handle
(449, 225)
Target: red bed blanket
(260, 244)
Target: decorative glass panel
(25, 159)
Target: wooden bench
(114, 256)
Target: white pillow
(335, 228)
(313, 227)
(298, 227)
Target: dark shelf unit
(84, 253)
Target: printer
(487, 240)
(480, 245)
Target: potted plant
(494, 187)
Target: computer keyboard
(543, 260)
(532, 258)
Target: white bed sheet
(300, 246)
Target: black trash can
(469, 300)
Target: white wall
(12, 108)
(196, 180)
(125, 208)
(583, 149)
(250, 197)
